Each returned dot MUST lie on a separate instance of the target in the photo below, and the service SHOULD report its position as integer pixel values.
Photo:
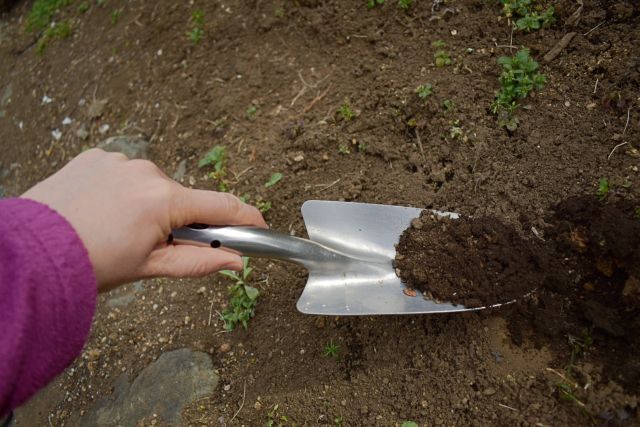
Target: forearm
(47, 298)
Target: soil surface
(266, 82)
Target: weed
(217, 158)
(275, 419)
(424, 91)
(42, 12)
(275, 178)
(448, 105)
(519, 78)
(636, 212)
(83, 7)
(197, 32)
(409, 424)
(603, 189)
(343, 148)
(373, 3)
(279, 12)
(251, 111)
(243, 298)
(578, 347)
(60, 30)
(100, 2)
(526, 12)
(456, 131)
(115, 15)
(263, 206)
(404, 4)
(362, 147)
(337, 421)
(331, 349)
(441, 56)
(346, 112)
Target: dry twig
(244, 394)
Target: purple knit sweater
(47, 298)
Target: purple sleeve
(47, 298)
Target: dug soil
(266, 81)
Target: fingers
(188, 261)
(209, 207)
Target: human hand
(124, 210)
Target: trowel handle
(255, 242)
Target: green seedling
(346, 112)
(331, 349)
(251, 111)
(115, 16)
(275, 419)
(519, 78)
(275, 178)
(83, 7)
(60, 30)
(441, 56)
(217, 158)
(279, 12)
(526, 14)
(603, 189)
(373, 3)
(424, 91)
(362, 147)
(343, 148)
(197, 32)
(409, 424)
(42, 13)
(243, 298)
(448, 105)
(456, 131)
(636, 212)
(263, 206)
(337, 421)
(100, 2)
(404, 4)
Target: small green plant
(331, 349)
(526, 14)
(636, 212)
(456, 131)
(275, 178)
(276, 419)
(251, 111)
(217, 158)
(337, 421)
(441, 56)
(42, 13)
(60, 30)
(263, 206)
(362, 147)
(519, 78)
(603, 189)
(346, 112)
(373, 3)
(243, 298)
(115, 16)
(343, 148)
(409, 424)
(279, 12)
(448, 105)
(197, 32)
(424, 91)
(404, 4)
(83, 7)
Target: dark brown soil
(476, 262)
(297, 62)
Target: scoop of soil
(471, 261)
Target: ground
(274, 82)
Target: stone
(225, 348)
(96, 108)
(180, 171)
(175, 380)
(132, 146)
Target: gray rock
(124, 295)
(165, 387)
(132, 146)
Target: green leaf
(252, 292)
(275, 178)
(232, 274)
(215, 156)
(409, 424)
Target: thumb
(188, 261)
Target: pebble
(225, 347)
(417, 223)
(489, 391)
(320, 322)
(202, 290)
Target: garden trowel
(349, 256)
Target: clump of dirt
(471, 261)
